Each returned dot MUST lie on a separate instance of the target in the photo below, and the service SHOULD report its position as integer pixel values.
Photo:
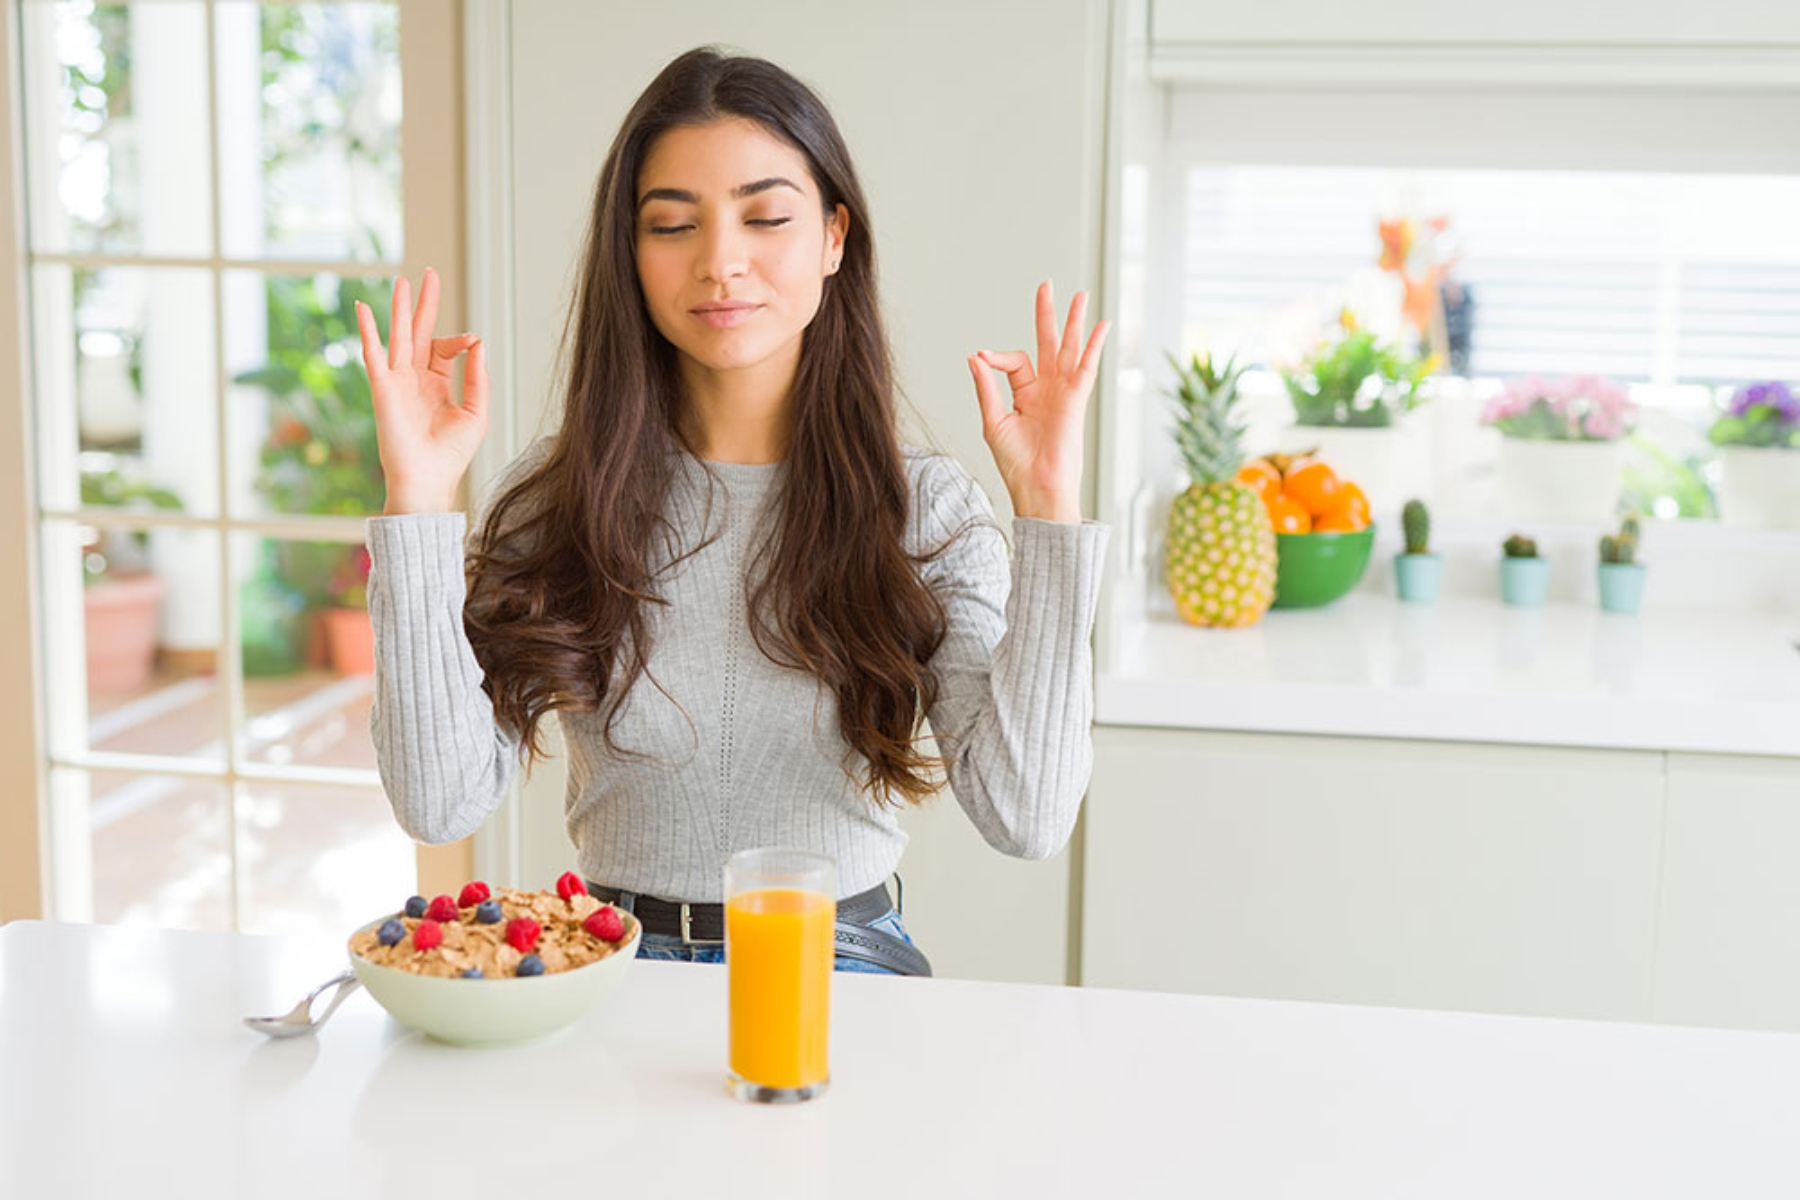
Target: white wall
(977, 133)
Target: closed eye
(679, 228)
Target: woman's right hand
(426, 439)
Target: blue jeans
(670, 947)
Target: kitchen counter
(1472, 669)
(125, 1069)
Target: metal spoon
(298, 1021)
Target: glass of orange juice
(780, 944)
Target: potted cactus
(1417, 570)
(1621, 575)
(1524, 573)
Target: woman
(725, 571)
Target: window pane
(161, 847)
(124, 367)
(309, 130)
(140, 608)
(307, 646)
(320, 859)
(115, 121)
(304, 430)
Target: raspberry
(442, 909)
(522, 933)
(473, 893)
(605, 924)
(569, 885)
(428, 934)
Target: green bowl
(1317, 568)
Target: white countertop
(125, 1070)
(1472, 669)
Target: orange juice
(779, 949)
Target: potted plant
(1561, 447)
(1417, 571)
(348, 629)
(321, 456)
(1524, 574)
(1621, 575)
(121, 596)
(1348, 398)
(1758, 436)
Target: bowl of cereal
(495, 966)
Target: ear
(840, 229)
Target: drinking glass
(780, 945)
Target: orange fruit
(1350, 499)
(1313, 484)
(1261, 477)
(1289, 516)
(1340, 520)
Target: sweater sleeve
(1015, 705)
(445, 762)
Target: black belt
(704, 925)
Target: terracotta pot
(120, 616)
(352, 640)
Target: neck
(739, 415)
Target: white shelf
(1472, 669)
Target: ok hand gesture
(1037, 444)
(426, 440)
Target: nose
(723, 253)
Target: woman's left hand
(1038, 443)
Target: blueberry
(473, 973)
(416, 906)
(531, 964)
(391, 932)
(487, 912)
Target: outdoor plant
(1356, 381)
(118, 551)
(1760, 414)
(1519, 546)
(1622, 546)
(1575, 408)
(1415, 523)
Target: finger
(1069, 352)
(444, 351)
(423, 319)
(1046, 326)
(1017, 365)
(993, 404)
(400, 328)
(475, 381)
(374, 356)
(1090, 359)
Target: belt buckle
(687, 933)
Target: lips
(724, 318)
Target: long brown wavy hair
(561, 569)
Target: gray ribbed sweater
(745, 766)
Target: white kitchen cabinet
(1661, 23)
(1442, 875)
(1728, 930)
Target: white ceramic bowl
(495, 1012)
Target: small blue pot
(1417, 576)
(1621, 586)
(1524, 582)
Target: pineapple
(1220, 560)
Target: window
(211, 186)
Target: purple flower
(1772, 394)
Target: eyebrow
(737, 193)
